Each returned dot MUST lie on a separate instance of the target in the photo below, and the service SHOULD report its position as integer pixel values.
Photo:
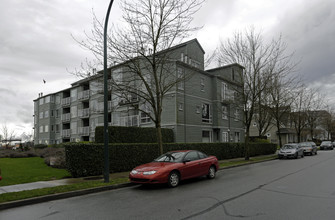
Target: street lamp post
(106, 156)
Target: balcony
(66, 133)
(84, 113)
(228, 95)
(66, 117)
(128, 121)
(66, 101)
(84, 95)
(84, 131)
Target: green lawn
(25, 170)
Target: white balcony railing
(66, 101)
(127, 121)
(66, 133)
(84, 131)
(66, 117)
(84, 113)
(83, 95)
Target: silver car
(309, 148)
(325, 145)
(291, 151)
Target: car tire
(316, 152)
(173, 179)
(302, 155)
(296, 156)
(211, 172)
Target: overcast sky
(36, 42)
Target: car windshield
(326, 142)
(289, 147)
(175, 157)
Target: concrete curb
(47, 198)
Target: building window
(41, 129)
(52, 128)
(46, 128)
(180, 75)
(41, 101)
(47, 99)
(206, 136)
(57, 113)
(206, 113)
(237, 137)
(224, 91)
(237, 114)
(254, 124)
(268, 135)
(225, 137)
(52, 114)
(182, 57)
(197, 109)
(57, 128)
(46, 114)
(233, 74)
(224, 112)
(202, 84)
(41, 115)
(181, 106)
(145, 118)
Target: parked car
(291, 151)
(326, 145)
(309, 148)
(174, 166)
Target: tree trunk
(246, 146)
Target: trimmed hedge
(133, 135)
(86, 159)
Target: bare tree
(302, 106)
(8, 135)
(260, 59)
(140, 47)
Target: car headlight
(149, 172)
(134, 172)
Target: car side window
(202, 155)
(193, 155)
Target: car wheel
(316, 152)
(302, 155)
(296, 156)
(174, 179)
(211, 173)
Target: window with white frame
(206, 113)
(41, 115)
(46, 114)
(197, 109)
(47, 99)
(145, 118)
(237, 137)
(181, 106)
(224, 112)
(41, 101)
(224, 91)
(202, 84)
(180, 75)
(41, 129)
(225, 137)
(46, 128)
(237, 114)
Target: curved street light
(106, 153)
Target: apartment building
(204, 108)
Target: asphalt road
(279, 189)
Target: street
(279, 189)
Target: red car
(174, 166)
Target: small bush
(40, 146)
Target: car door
(191, 165)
